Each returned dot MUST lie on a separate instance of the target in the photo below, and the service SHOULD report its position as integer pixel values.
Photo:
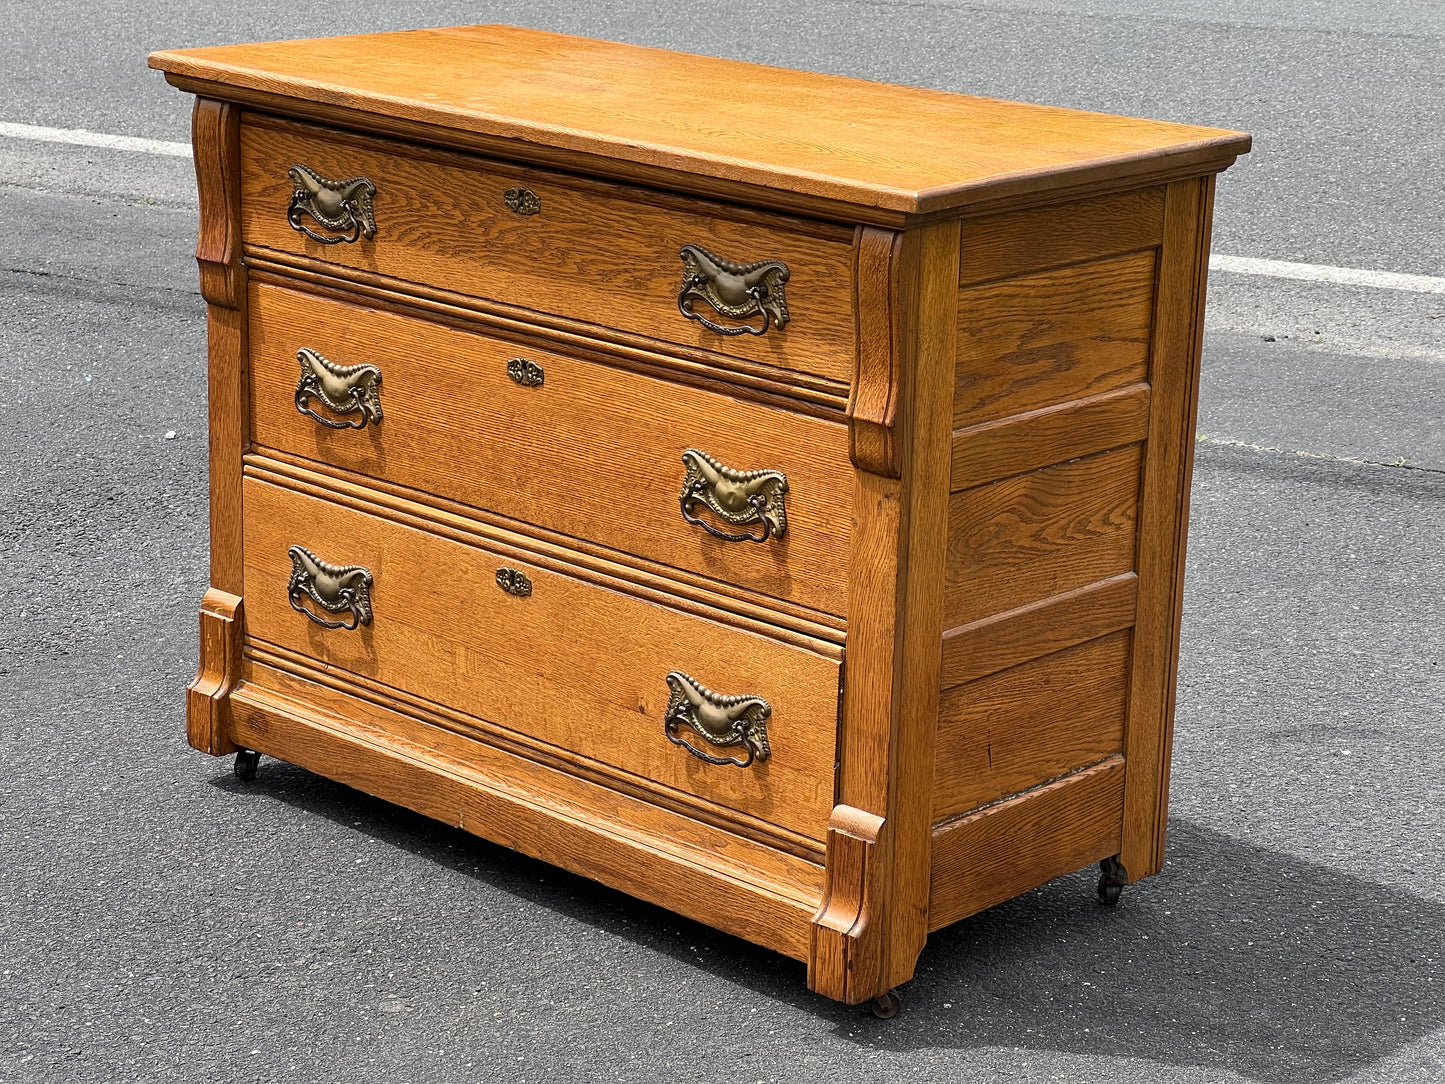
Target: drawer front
(599, 253)
(593, 452)
(573, 663)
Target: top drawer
(588, 251)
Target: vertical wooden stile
(1174, 360)
(216, 138)
(874, 918)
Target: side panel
(1055, 429)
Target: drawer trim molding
(768, 384)
(728, 604)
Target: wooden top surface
(900, 149)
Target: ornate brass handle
(721, 720)
(739, 497)
(336, 589)
(740, 291)
(349, 389)
(336, 205)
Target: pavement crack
(1399, 464)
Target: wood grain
(208, 709)
(1026, 725)
(647, 852)
(575, 665)
(1163, 520)
(1051, 624)
(1006, 849)
(610, 260)
(215, 137)
(877, 380)
(1052, 434)
(1021, 242)
(1036, 340)
(352, 695)
(894, 646)
(1040, 534)
(766, 384)
(822, 633)
(902, 148)
(594, 453)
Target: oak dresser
(762, 492)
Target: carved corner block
(848, 954)
(208, 709)
(873, 401)
(216, 143)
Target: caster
(886, 1006)
(246, 761)
(1112, 879)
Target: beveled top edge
(907, 150)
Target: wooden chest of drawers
(761, 492)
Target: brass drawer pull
(514, 581)
(720, 720)
(340, 206)
(740, 291)
(335, 588)
(344, 389)
(526, 373)
(521, 201)
(739, 497)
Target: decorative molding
(877, 375)
(216, 140)
(469, 531)
(767, 384)
(208, 710)
(846, 961)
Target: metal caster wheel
(246, 761)
(886, 1006)
(1112, 879)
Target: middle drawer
(589, 451)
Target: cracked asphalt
(160, 922)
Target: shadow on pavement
(1235, 958)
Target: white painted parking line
(1239, 265)
(1342, 276)
(79, 137)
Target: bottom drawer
(570, 662)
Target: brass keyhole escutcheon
(514, 581)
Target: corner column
(216, 140)
(873, 921)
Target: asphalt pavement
(161, 922)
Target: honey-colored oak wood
(1163, 520)
(902, 148)
(1043, 338)
(216, 130)
(602, 255)
(644, 850)
(593, 453)
(351, 695)
(1014, 243)
(1031, 723)
(1040, 534)
(875, 919)
(208, 704)
(983, 401)
(1051, 624)
(1052, 434)
(572, 664)
(1005, 849)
